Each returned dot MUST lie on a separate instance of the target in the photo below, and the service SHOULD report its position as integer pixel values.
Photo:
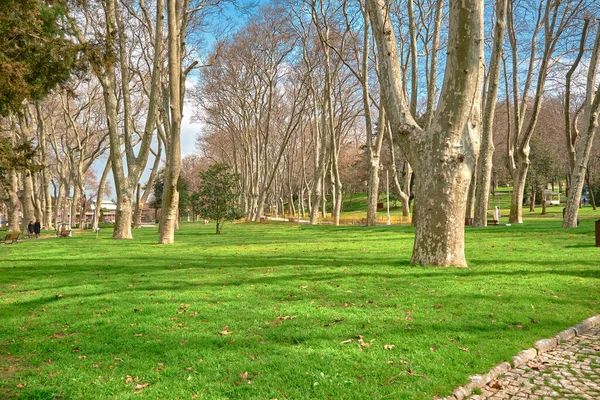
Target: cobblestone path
(570, 371)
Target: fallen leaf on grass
(128, 380)
(82, 357)
(244, 375)
(434, 347)
(21, 385)
(280, 318)
(303, 287)
(346, 341)
(139, 334)
(226, 331)
(140, 386)
(388, 346)
(464, 349)
(60, 296)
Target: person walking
(30, 229)
(37, 228)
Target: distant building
(108, 209)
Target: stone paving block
(545, 345)
(523, 357)
(568, 371)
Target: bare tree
(444, 155)
(591, 107)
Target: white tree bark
(585, 142)
(444, 156)
(484, 164)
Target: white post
(387, 179)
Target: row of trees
(305, 93)
(312, 66)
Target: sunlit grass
(96, 318)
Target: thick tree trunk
(122, 228)
(443, 156)
(440, 196)
(27, 207)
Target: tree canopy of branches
(35, 54)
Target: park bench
(13, 237)
(65, 233)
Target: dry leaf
(82, 357)
(388, 346)
(496, 384)
(464, 349)
(139, 334)
(275, 322)
(226, 331)
(434, 347)
(244, 375)
(140, 386)
(128, 380)
(346, 341)
(60, 296)
(535, 366)
(21, 385)
(303, 287)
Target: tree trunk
(439, 238)
(122, 228)
(373, 191)
(586, 141)
(27, 207)
(484, 164)
(100, 193)
(519, 178)
(444, 155)
(591, 192)
(170, 199)
(13, 203)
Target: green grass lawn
(281, 311)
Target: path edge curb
(523, 357)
